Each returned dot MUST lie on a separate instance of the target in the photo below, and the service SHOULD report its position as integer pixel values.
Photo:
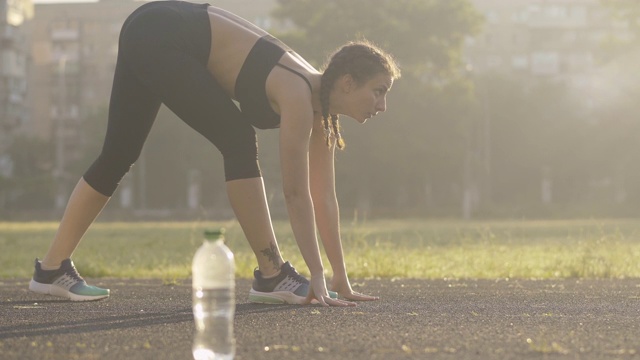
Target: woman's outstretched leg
(85, 204)
(56, 275)
(132, 111)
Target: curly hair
(362, 60)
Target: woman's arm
(296, 114)
(295, 129)
(322, 183)
(327, 213)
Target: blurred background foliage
(430, 153)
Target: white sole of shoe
(276, 297)
(54, 290)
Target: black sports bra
(250, 84)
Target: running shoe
(65, 282)
(288, 287)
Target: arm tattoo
(273, 255)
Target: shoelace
(297, 277)
(73, 273)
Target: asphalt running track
(415, 319)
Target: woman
(197, 59)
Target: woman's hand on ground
(344, 290)
(319, 286)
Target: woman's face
(363, 101)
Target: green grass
(380, 248)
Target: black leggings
(162, 58)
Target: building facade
(14, 58)
(558, 39)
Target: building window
(74, 112)
(492, 17)
(520, 16)
(520, 62)
(578, 13)
(494, 61)
(570, 36)
(557, 12)
(263, 22)
(545, 63)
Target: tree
(417, 144)
(425, 35)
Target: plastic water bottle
(214, 299)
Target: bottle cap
(213, 234)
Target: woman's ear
(347, 83)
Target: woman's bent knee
(104, 175)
